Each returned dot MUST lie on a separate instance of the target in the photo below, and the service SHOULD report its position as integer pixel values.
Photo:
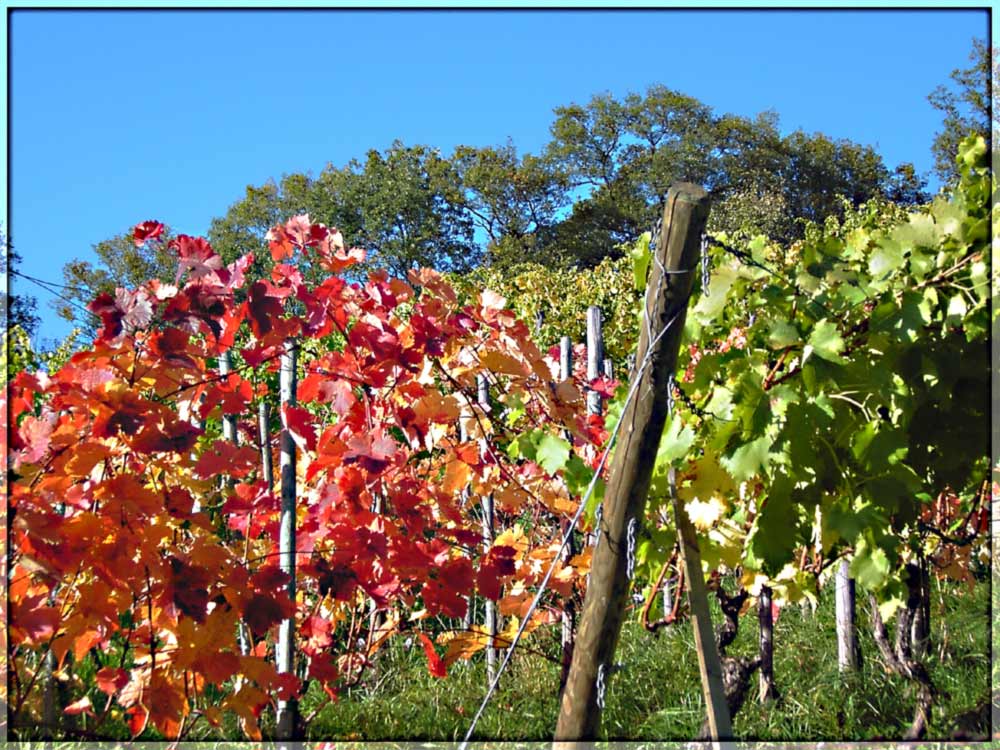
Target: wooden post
(847, 631)
(684, 217)
(595, 356)
(766, 620)
(267, 472)
(490, 615)
(709, 662)
(569, 608)
(285, 728)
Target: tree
(244, 225)
(403, 206)
(625, 154)
(514, 200)
(409, 207)
(671, 137)
(965, 104)
(120, 263)
(819, 170)
(21, 309)
(906, 187)
(22, 319)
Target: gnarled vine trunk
(899, 656)
(736, 670)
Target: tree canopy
(593, 188)
(965, 105)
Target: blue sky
(121, 116)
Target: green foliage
(965, 106)
(513, 199)
(626, 153)
(410, 215)
(119, 264)
(404, 206)
(658, 694)
(21, 310)
(53, 359)
(847, 383)
(593, 190)
(18, 353)
(562, 296)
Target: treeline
(595, 185)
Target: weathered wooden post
(285, 728)
(490, 616)
(847, 631)
(709, 662)
(595, 356)
(569, 608)
(230, 434)
(684, 217)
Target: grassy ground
(657, 695)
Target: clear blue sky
(121, 116)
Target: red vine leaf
(434, 662)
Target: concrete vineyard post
(286, 540)
(595, 356)
(569, 609)
(490, 616)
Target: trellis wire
(566, 535)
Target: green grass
(657, 695)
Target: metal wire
(567, 534)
